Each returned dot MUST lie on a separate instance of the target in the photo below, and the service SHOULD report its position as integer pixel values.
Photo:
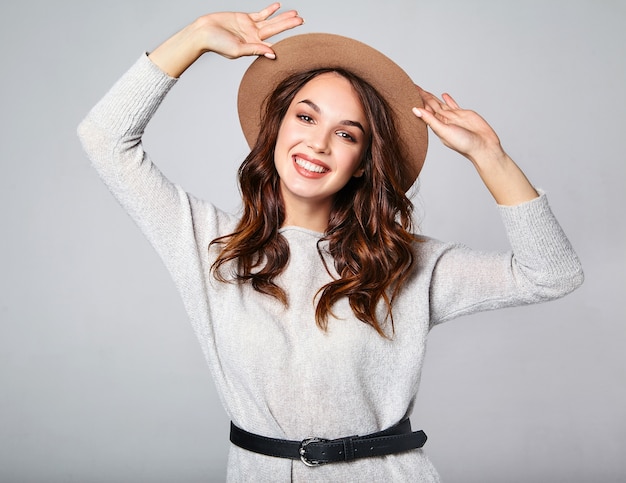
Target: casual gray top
(276, 372)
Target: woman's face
(321, 143)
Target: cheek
(355, 159)
(282, 148)
(287, 132)
(282, 145)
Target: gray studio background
(101, 378)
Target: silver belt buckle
(302, 451)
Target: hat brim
(301, 53)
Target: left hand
(469, 134)
(459, 129)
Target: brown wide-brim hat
(306, 52)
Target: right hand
(229, 34)
(234, 35)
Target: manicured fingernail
(270, 56)
(417, 112)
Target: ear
(358, 173)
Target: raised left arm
(470, 135)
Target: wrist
(505, 180)
(178, 52)
(491, 158)
(197, 34)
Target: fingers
(432, 103)
(271, 26)
(261, 49)
(435, 105)
(440, 127)
(280, 23)
(438, 114)
(430, 118)
(265, 13)
(447, 98)
(253, 29)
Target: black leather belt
(319, 451)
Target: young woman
(313, 305)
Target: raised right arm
(230, 34)
(112, 132)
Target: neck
(307, 215)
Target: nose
(318, 141)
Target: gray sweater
(276, 372)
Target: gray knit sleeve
(541, 266)
(111, 135)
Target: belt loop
(348, 448)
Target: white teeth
(314, 168)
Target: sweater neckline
(299, 229)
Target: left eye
(346, 136)
(305, 118)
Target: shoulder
(427, 248)
(210, 221)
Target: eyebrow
(345, 122)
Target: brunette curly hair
(369, 231)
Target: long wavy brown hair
(369, 231)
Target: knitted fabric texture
(276, 372)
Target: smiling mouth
(309, 166)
